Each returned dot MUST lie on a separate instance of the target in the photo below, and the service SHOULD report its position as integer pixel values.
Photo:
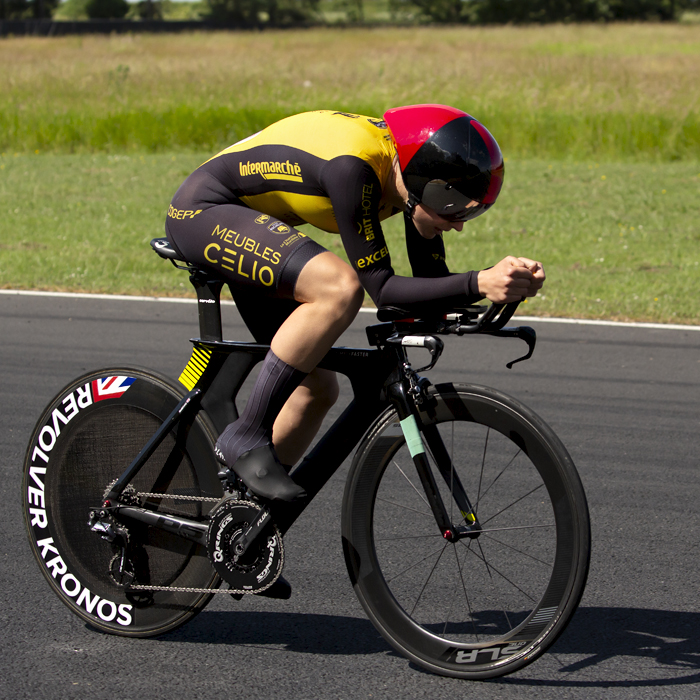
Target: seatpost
(208, 300)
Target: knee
(331, 283)
(346, 292)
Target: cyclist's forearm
(426, 256)
(395, 290)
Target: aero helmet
(448, 160)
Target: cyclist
(344, 173)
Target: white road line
(178, 300)
(119, 297)
(622, 324)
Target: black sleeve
(355, 193)
(426, 256)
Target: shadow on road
(666, 643)
(299, 632)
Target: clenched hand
(512, 279)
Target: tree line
(544, 11)
(286, 12)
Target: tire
(475, 608)
(85, 439)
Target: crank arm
(182, 527)
(252, 531)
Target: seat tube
(209, 302)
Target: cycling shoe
(262, 473)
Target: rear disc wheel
(85, 439)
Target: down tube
(326, 457)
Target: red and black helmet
(449, 161)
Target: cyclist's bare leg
(302, 415)
(331, 296)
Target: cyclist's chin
(428, 232)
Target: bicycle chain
(179, 589)
(174, 497)
(130, 495)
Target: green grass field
(618, 240)
(623, 91)
(600, 126)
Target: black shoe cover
(262, 473)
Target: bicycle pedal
(281, 589)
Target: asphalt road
(626, 403)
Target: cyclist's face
(430, 224)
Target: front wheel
(491, 602)
(85, 439)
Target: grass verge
(584, 91)
(618, 240)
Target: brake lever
(432, 344)
(524, 333)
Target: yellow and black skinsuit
(237, 212)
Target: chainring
(262, 563)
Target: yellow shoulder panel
(327, 135)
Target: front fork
(407, 394)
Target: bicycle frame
(217, 370)
(379, 377)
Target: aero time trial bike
(464, 523)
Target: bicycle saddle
(164, 248)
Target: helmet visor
(448, 202)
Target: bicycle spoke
(404, 507)
(515, 527)
(493, 585)
(466, 595)
(503, 510)
(503, 576)
(415, 564)
(420, 595)
(452, 470)
(515, 549)
(409, 537)
(497, 477)
(421, 495)
(481, 474)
